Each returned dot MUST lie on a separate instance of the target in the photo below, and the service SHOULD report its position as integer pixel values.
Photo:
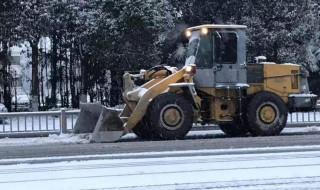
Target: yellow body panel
(156, 74)
(254, 88)
(281, 79)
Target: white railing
(63, 121)
(38, 122)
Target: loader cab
(219, 52)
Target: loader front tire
(266, 114)
(170, 116)
(142, 129)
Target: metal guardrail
(42, 123)
(304, 118)
(24, 124)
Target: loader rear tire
(266, 114)
(170, 116)
(239, 125)
(234, 129)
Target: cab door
(226, 69)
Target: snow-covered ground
(288, 169)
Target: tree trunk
(5, 75)
(66, 76)
(61, 81)
(54, 77)
(71, 79)
(35, 78)
(42, 86)
(47, 100)
(84, 76)
(115, 90)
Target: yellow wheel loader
(216, 85)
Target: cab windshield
(200, 50)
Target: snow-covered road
(291, 168)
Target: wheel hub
(267, 114)
(171, 117)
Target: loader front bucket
(104, 123)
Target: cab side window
(228, 48)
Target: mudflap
(104, 123)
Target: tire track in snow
(272, 183)
(161, 173)
(142, 162)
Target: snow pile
(301, 129)
(51, 139)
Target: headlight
(188, 33)
(204, 31)
(190, 68)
